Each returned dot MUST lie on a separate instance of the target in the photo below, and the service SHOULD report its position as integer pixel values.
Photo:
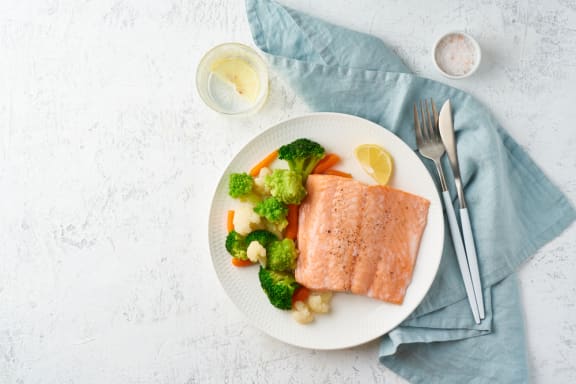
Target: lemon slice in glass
(240, 74)
(375, 161)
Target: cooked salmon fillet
(359, 238)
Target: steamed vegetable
(236, 245)
(302, 155)
(264, 163)
(281, 255)
(256, 253)
(302, 313)
(274, 211)
(241, 263)
(301, 294)
(263, 227)
(326, 163)
(262, 236)
(245, 220)
(241, 186)
(335, 172)
(278, 286)
(292, 217)
(230, 220)
(286, 186)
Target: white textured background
(108, 159)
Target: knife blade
(446, 128)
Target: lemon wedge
(375, 161)
(240, 74)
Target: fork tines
(426, 123)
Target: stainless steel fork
(430, 146)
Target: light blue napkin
(513, 206)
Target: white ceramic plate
(354, 319)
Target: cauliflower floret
(259, 186)
(301, 313)
(245, 219)
(319, 302)
(256, 253)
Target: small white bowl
(456, 55)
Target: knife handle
(472, 258)
(461, 255)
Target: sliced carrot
(265, 162)
(336, 172)
(292, 217)
(301, 294)
(241, 263)
(230, 221)
(327, 162)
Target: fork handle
(472, 258)
(460, 254)
(441, 175)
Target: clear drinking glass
(232, 79)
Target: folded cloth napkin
(339, 70)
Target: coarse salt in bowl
(456, 55)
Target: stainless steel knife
(446, 129)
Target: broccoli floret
(286, 186)
(278, 286)
(236, 245)
(274, 211)
(262, 236)
(282, 255)
(241, 186)
(302, 155)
